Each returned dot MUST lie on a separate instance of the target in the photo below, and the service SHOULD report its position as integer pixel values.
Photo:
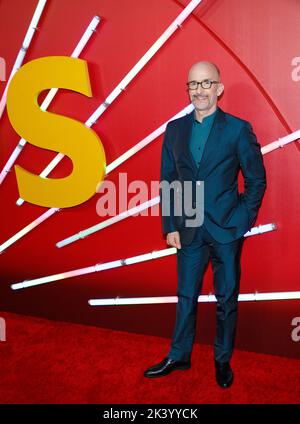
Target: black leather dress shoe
(224, 374)
(166, 366)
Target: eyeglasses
(206, 84)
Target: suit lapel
(186, 137)
(211, 145)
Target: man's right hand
(173, 239)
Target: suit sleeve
(168, 174)
(253, 170)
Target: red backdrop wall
(254, 44)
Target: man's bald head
(205, 67)
(205, 98)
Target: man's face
(205, 99)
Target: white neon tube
(88, 231)
(147, 140)
(144, 60)
(26, 43)
(94, 268)
(28, 228)
(261, 229)
(281, 142)
(101, 267)
(129, 77)
(75, 54)
(48, 99)
(117, 301)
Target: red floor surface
(52, 362)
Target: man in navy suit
(209, 147)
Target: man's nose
(199, 89)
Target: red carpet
(53, 362)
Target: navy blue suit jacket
(231, 147)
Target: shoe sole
(180, 368)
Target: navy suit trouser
(192, 260)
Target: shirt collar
(207, 119)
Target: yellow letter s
(55, 132)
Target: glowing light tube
(26, 43)
(147, 140)
(129, 77)
(117, 301)
(48, 99)
(101, 267)
(144, 60)
(261, 229)
(28, 228)
(88, 231)
(281, 142)
(94, 268)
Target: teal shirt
(199, 135)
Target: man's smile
(197, 97)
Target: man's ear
(220, 89)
